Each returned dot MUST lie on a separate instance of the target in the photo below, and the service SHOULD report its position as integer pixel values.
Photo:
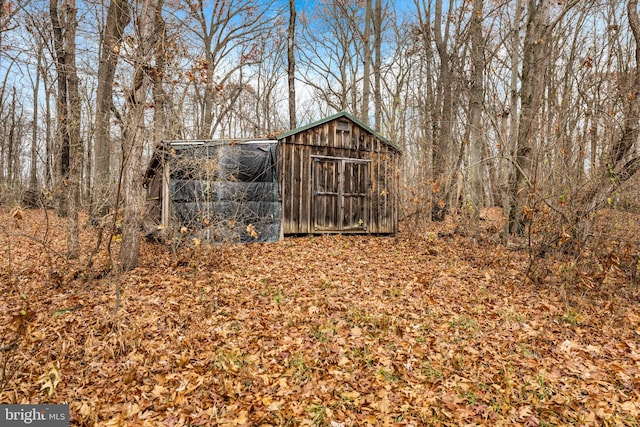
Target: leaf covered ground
(426, 328)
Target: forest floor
(424, 328)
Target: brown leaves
(50, 380)
(17, 214)
(251, 231)
(329, 330)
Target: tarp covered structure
(220, 191)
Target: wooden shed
(337, 175)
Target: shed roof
(334, 117)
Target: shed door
(339, 194)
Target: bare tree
(474, 129)
(36, 25)
(367, 59)
(62, 105)
(259, 100)
(535, 56)
(33, 171)
(75, 144)
(38, 30)
(291, 64)
(622, 161)
(13, 131)
(268, 75)
(135, 129)
(446, 157)
(377, 26)
(64, 25)
(118, 16)
(10, 114)
(162, 123)
(425, 88)
(227, 32)
(8, 11)
(330, 55)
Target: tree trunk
(134, 136)
(33, 175)
(118, 16)
(476, 141)
(291, 64)
(160, 120)
(61, 150)
(443, 145)
(536, 44)
(49, 140)
(534, 62)
(426, 106)
(377, 65)
(11, 146)
(367, 57)
(510, 117)
(68, 119)
(75, 144)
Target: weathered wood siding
(338, 177)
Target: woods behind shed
(335, 175)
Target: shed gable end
(338, 176)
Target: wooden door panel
(354, 195)
(326, 188)
(340, 194)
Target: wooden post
(166, 195)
